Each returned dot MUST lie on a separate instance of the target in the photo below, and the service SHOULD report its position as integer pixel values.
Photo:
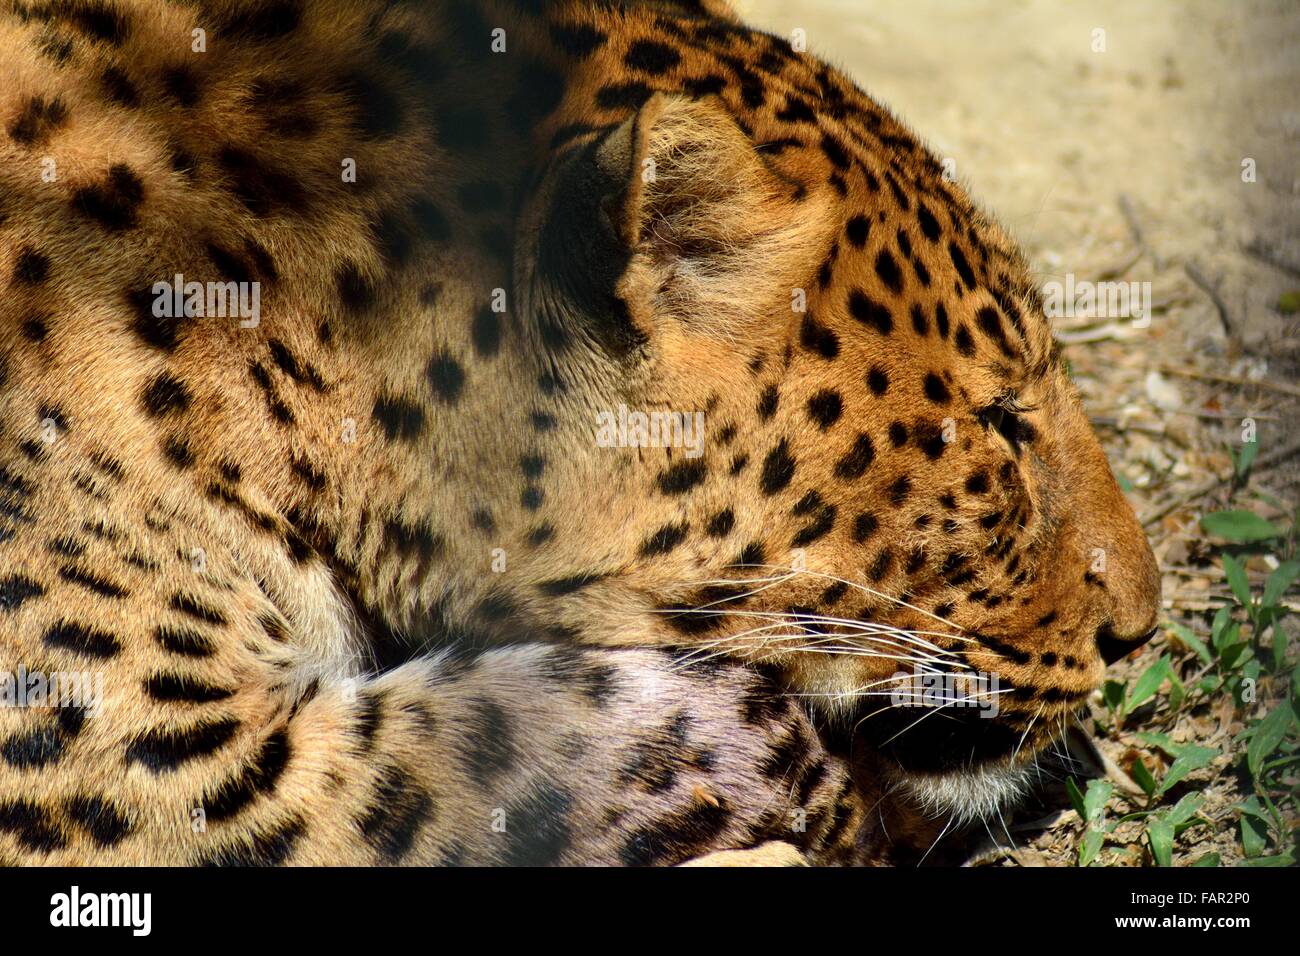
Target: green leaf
(1094, 801)
(1189, 758)
(1076, 798)
(1185, 808)
(1185, 635)
(1163, 741)
(1142, 776)
(1160, 833)
(1236, 575)
(1207, 859)
(1112, 695)
(1247, 457)
(1239, 526)
(1285, 859)
(1283, 577)
(1146, 685)
(1221, 626)
(1268, 733)
(1254, 836)
(1090, 846)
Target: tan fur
(324, 501)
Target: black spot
(82, 640)
(878, 380)
(181, 84)
(539, 830)
(622, 96)
(881, 566)
(720, 524)
(651, 57)
(36, 748)
(356, 291)
(990, 323)
(929, 437)
(819, 526)
(36, 328)
(264, 20)
(400, 419)
(665, 539)
(778, 469)
(857, 229)
(37, 120)
(178, 452)
(920, 324)
(394, 817)
(929, 225)
(870, 312)
(825, 408)
(114, 202)
(935, 390)
(796, 110)
(377, 109)
(183, 641)
(965, 345)
(699, 87)
(165, 394)
(856, 460)
(818, 338)
(897, 434)
(266, 848)
(191, 607)
(163, 750)
(105, 824)
(682, 477)
(489, 743)
(864, 526)
(31, 826)
(977, 483)
(887, 270)
(92, 582)
(941, 319)
(834, 151)
(179, 688)
(963, 267)
(260, 188)
(677, 837)
(768, 402)
(579, 40)
(899, 490)
(446, 377)
(32, 266)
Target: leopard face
(896, 490)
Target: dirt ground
(1163, 150)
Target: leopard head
(815, 418)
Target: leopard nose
(1112, 646)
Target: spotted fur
(361, 574)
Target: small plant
(1247, 657)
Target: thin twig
(1196, 275)
(1285, 388)
(1210, 484)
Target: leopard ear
(718, 237)
(672, 219)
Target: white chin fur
(967, 796)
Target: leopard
(516, 432)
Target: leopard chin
(970, 795)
